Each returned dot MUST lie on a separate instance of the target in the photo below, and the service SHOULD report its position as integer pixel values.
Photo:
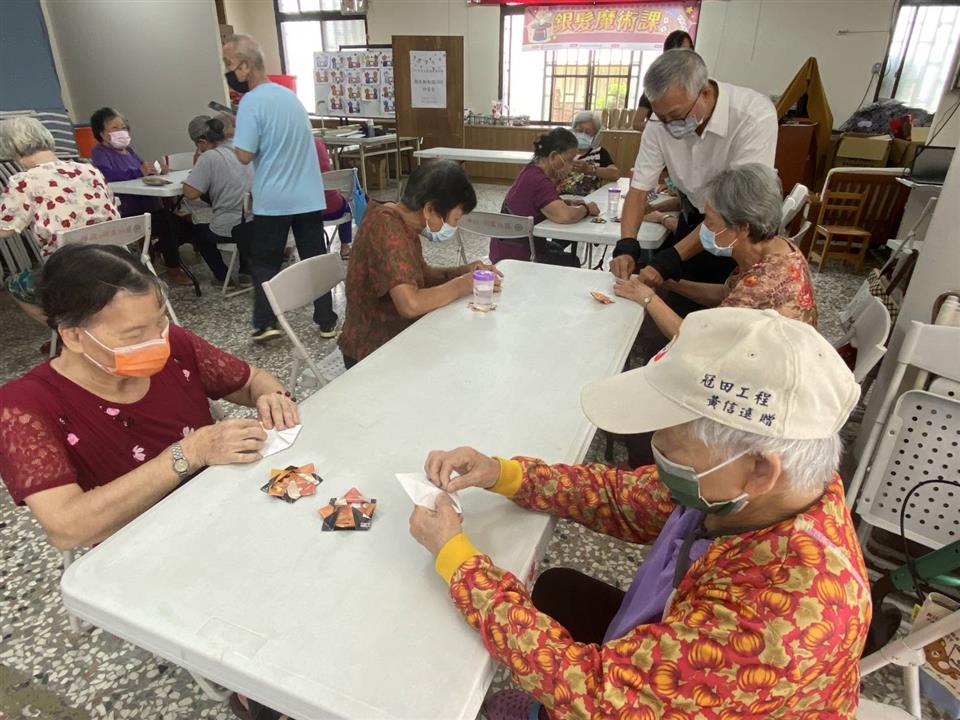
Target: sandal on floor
(256, 711)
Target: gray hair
(675, 67)
(246, 48)
(593, 116)
(22, 136)
(198, 127)
(748, 195)
(807, 464)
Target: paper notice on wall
(428, 79)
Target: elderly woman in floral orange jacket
(753, 600)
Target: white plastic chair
(496, 225)
(933, 349)
(798, 238)
(298, 285)
(180, 161)
(342, 181)
(233, 253)
(868, 332)
(793, 203)
(907, 653)
(122, 233)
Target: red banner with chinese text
(629, 27)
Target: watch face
(181, 466)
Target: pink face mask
(120, 139)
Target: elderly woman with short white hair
(593, 166)
(50, 196)
(741, 220)
(752, 599)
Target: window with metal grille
(919, 58)
(552, 85)
(309, 26)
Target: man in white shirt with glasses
(699, 127)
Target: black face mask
(235, 84)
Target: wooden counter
(622, 145)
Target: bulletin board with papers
(356, 82)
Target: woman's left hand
(147, 169)
(587, 168)
(632, 289)
(277, 410)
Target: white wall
(256, 18)
(156, 61)
(762, 44)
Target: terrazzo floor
(47, 672)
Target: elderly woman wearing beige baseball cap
(753, 599)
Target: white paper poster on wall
(358, 83)
(428, 79)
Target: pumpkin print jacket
(766, 624)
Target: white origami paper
(278, 440)
(423, 492)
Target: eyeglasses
(658, 118)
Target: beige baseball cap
(753, 370)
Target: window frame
(550, 61)
(899, 7)
(311, 16)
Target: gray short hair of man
(807, 464)
(246, 48)
(748, 195)
(678, 67)
(22, 136)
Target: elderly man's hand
(650, 276)
(474, 469)
(434, 528)
(632, 289)
(622, 266)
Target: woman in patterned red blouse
(742, 221)
(752, 600)
(50, 196)
(94, 437)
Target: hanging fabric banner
(592, 27)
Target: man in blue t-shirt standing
(273, 132)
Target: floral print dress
(779, 282)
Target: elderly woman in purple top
(535, 193)
(117, 160)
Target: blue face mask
(446, 232)
(584, 141)
(708, 238)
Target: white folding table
(513, 157)
(139, 187)
(650, 236)
(247, 590)
(173, 189)
(363, 143)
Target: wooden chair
(835, 207)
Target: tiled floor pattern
(46, 672)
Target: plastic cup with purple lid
(483, 283)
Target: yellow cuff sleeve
(455, 553)
(511, 478)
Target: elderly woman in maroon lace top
(94, 437)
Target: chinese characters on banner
(355, 82)
(428, 79)
(628, 27)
